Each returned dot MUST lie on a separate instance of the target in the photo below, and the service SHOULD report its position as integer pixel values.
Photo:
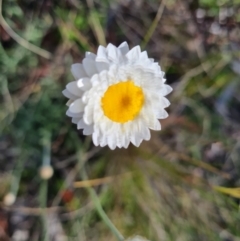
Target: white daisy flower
(137, 238)
(118, 96)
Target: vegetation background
(181, 185)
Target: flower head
(118, 96)
(137, 238)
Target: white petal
(88, 130)
(150, 119)
(161, 114)
(89, 67)
(103, 140)
(152, 85)
(96, 78)
(77, 106)
(114, 75)
(165, 90)
(152, 100)
(69, 95)
(118, 135)
(73, 88)
(133, 54)
(164, 102)
(157, 69)
(75, 115)
(123, 47)
(88, 114)
(102, 66)
(144, 55)
(126, 142)
(154, 124)
(120, 141)
(102, 55)
(152, 68)
(78, 71)
(110, 47)
(75, 120)
(84, 84)
(142, 130)
(81, 124)
(99, 117)
(69, 102)
(111, 142)
(90, 55)
(149, 69)
(114, 54)
(132, 131)
(136, 139)
(95, 138)
(146, 135)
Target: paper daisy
(118, 96)
(137, 238)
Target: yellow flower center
(123, 101)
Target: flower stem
(99, 208)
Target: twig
(37, 211)
(31, 210)
(97, 181)
(20, 40)
(153, 25)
